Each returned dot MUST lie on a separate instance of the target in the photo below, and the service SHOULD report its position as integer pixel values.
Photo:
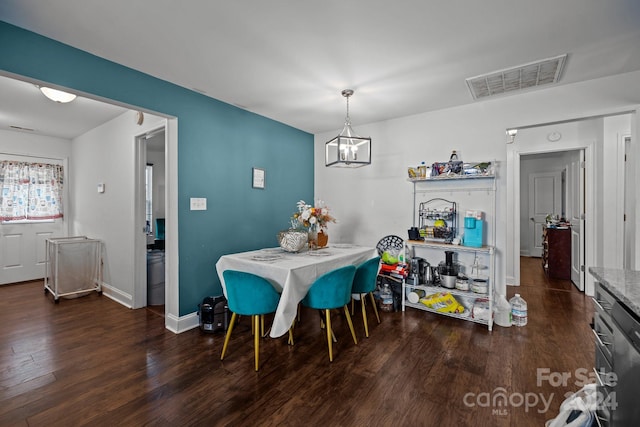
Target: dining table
(292, 273)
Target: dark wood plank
(91, 361)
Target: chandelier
(348, 150)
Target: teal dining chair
(329, 291)
(364, 283)
(248, 295)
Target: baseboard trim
(117, 295)
(179, 324)
(176, 324)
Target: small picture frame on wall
(258, 178)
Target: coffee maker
(416, 271)
(473, 229)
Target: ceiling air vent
(517, 78)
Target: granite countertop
(624, 284)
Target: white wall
(106, 155)
(374, 201)
(615, 129)
(605, 135)
(29, 144)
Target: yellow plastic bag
(442, 302)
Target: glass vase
(322, 239)
(317, 239)
(313, 239)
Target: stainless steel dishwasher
(626, 365)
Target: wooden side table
(556, 252)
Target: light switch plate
(198, 204)
(101, 187)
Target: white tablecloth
(292, 274)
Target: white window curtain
(30, 191)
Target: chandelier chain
(347, 119)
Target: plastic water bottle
(518, 310)
(502, 310)
(386, 297)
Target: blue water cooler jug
(473, 229)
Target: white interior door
(22, 249)
(575, 212)
(545, 197)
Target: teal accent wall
(218, 145)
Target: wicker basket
(293, 240)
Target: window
(30, 191)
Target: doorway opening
(552, 213)
(61, 127)
(601, 225)
(154, 214)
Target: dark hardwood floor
(91, 361)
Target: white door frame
(172, 294)
(576, 218)
(172, 319)
(140, 238)
(514, 153)
(623, 196)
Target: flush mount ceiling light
(57, 95)
(348, 150)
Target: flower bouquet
(315, 219)
(312, 217)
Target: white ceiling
(290, 59)
(23, 105)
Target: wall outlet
(198, 204)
